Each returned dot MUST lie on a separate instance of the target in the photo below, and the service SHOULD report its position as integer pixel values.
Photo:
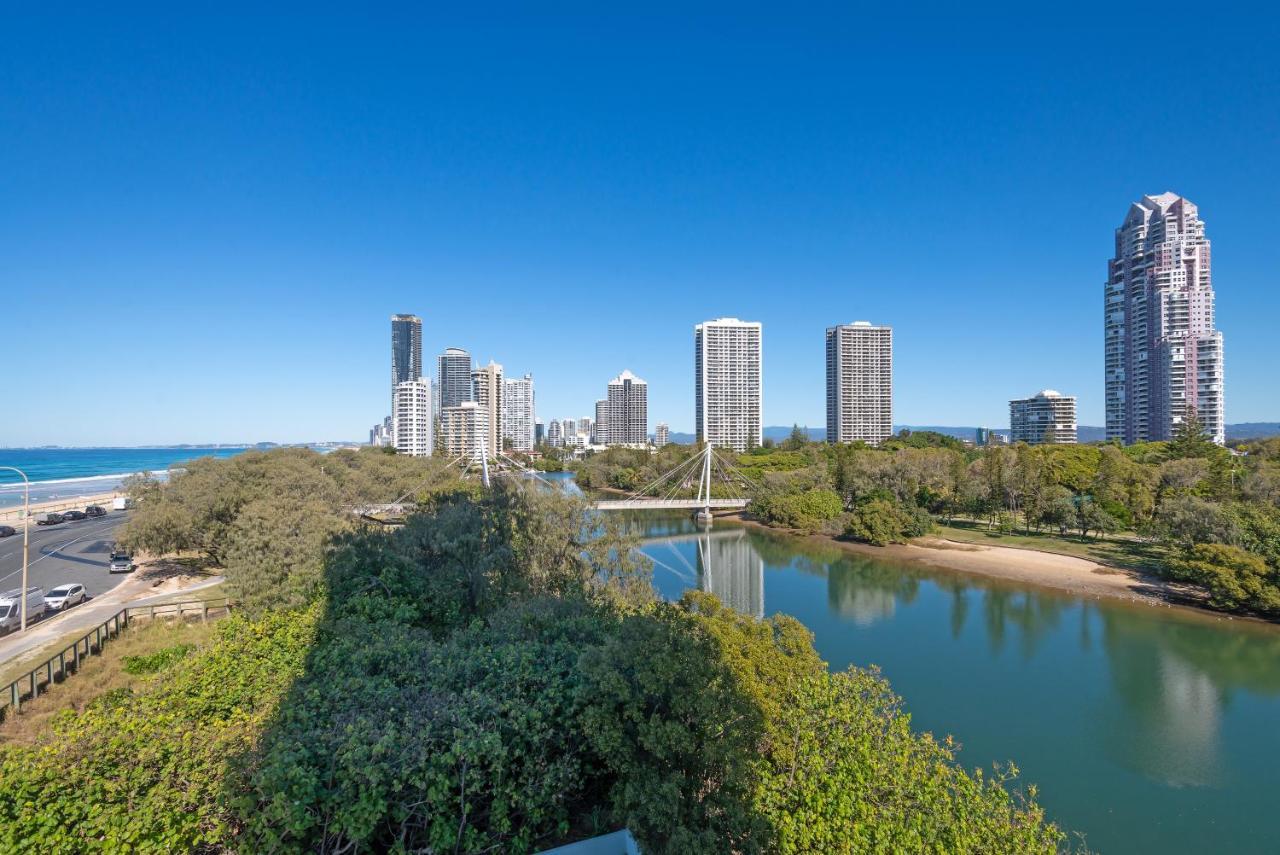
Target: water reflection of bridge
(727, 566)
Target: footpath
(138, 590)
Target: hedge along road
(63, 553)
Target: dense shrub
(1234, 578)
(806, 511)
(881, 522)
(144, 771)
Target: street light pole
(26, 526)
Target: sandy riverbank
(1044, 569)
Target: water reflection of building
(730, 568)
(1171, 726)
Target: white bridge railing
(628, 504)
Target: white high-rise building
(627, 412)
(486, 390)
(1163, 350)
(859, 383)
(728, 385)
(411, 425)
(464, 431)
(600, 434)
(518, 421)
(1047, 417)
(661, 434)
(587, 426)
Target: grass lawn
(101, 674)
(1123, 550)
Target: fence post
(15, 696)
(151, 612)
(62, 665)
(75, 656)
(34, 693)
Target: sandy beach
(1044, 569)
(13, 515)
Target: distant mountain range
(1084, 433)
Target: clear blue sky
(205, 222)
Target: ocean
(66, 473)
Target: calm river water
(1146, 729)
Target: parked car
(121, 503)
(11, 608)
(49, 519)
(120, 561)
(95, 511)
(7, 531)
(64, 597)
(74, 516)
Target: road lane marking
(31, 564)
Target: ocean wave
(19, 486)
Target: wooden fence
(67, 661)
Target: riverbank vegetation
(1188, 510)
(495, 675)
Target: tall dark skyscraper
(406, 349)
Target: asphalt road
(67, 552)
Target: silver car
(64, 597)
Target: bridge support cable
(663, 478)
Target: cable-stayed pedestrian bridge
(719, 486)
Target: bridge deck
(689, 504)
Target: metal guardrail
(67, 660)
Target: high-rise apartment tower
(1163, 351)
(1047, 417)
(453, 377)
(518, 413)
(486, 390)
(412, 430)
(728, 389)
(859, 383)
(627, 411)
(406, 349)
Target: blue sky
(205, 222)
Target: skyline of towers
(412, 427)
(1163, 352)
(728, 385)
(1047, 417)
(859, 383)
(627, 411)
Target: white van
(121, 503)
(11, 608)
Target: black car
(7, 531)
(95, 511)
(74, 515)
